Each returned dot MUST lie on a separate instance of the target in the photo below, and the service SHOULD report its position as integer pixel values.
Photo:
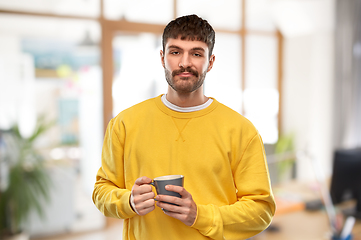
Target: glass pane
(261, 108)
(261, 62)
(261, 99)
(89, 8)
(223, 82)
(259, 15)
(221, 14)
(155, 11)
(139, 74)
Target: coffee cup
(160, 182)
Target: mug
(160, 182)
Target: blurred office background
(291, 66)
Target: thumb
(143, 180)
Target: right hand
(143, 196)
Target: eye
(174, 53)
(197, 55)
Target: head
(187, 53)
(190, 27)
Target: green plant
(285, 150)
(28, 181)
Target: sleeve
(110, 195)
(255, 207)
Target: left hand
(186, 211)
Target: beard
(185, 84)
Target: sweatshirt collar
(177, 114)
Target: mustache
(187, 69)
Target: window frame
(110, 28)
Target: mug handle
(152, 183)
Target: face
(186, 64)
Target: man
(226, 194)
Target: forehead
(186, 44)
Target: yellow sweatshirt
(220, 154)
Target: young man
(227, 192)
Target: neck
(186, 99)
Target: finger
(181, 205)
(185, 214)
(187, 219)
(143, 180)
(177, 189)
(176, 215)
(150, 203)
(145, 207)
(169, 207)
(170, 199)
(143, 197)
(145, 210)
(143, 189)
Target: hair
(190, 27)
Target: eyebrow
(194, 49)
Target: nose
(185, 61)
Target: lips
(185, 72)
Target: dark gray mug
(160, 182)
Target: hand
(142, 196)
(186, 211)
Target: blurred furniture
(293, 221)
(346, 179)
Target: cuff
(204, 220)
(128, 208)
(131, 201)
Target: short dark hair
(190, 27)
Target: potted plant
(27, 180)
(284, 149)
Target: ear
(211, 61)
(162, 57)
